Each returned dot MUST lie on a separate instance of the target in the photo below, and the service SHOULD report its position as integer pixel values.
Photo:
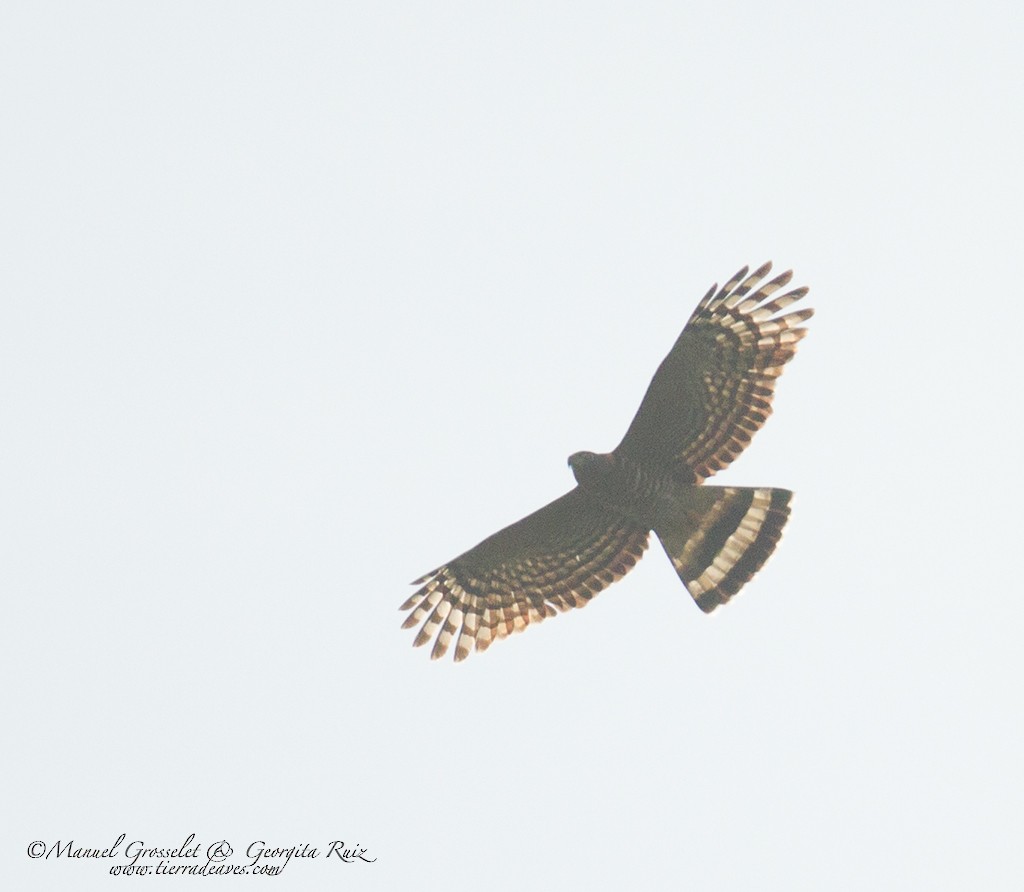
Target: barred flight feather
(751, 347)
(474, 610)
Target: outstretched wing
(556, 558)
(714, 389)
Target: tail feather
(725, 539)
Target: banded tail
(723, 538)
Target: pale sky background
(300, 300)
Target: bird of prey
(708, 397)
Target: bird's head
(588, 466)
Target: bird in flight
(708, 397)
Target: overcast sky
(301, 300)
